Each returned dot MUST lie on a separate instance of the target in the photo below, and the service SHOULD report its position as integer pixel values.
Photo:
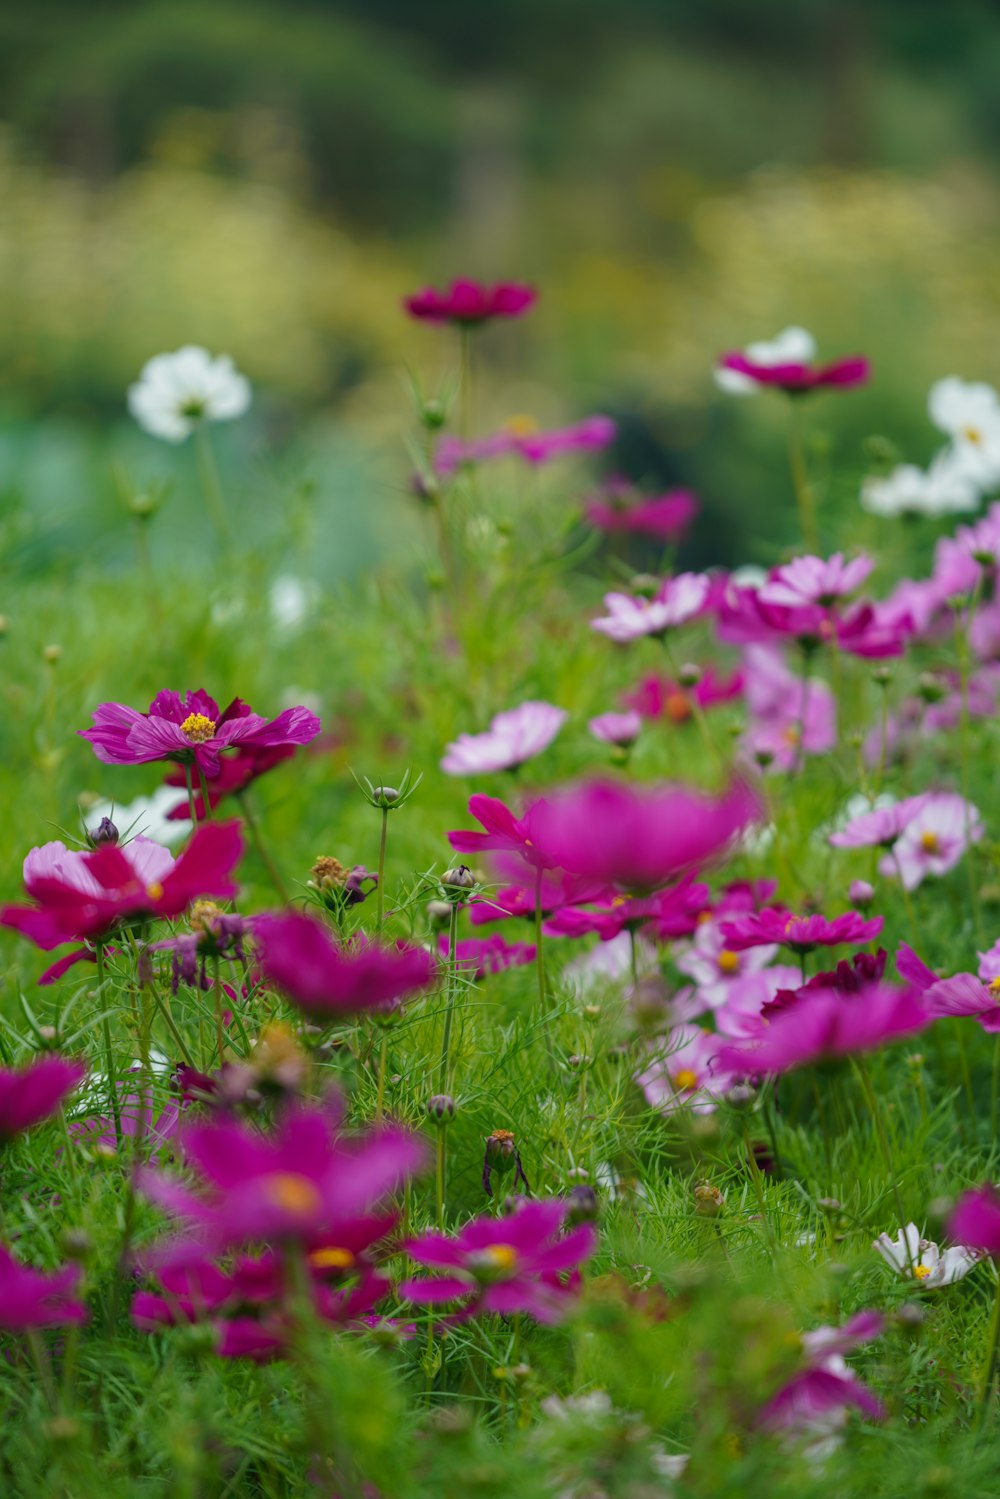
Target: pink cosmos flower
(920, 1259)
(811, 580)
(639, 839)
(617, 508)
(535, 447)
(557, 890)
(304, 1182)
(787, 717)
(471, 303)
(715, 968)
(676, 601)
(794, 375)
(31, 1093)
(518, 1263)
(934, 839)
(82, 894)
(962, 994)
(685, 1072)
(823, 1025)
(659, 697)
(191, 729)
(976, 1220)
(815, 1401)
(801, 933)
(504, 832)
(622, 729)
(668, 914)
(299, 956)
(482, 955)
(879, 828)
(31, 1298)
(512, 739)
(236, 772)
(741, 1015)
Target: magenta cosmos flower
(30, 1298)
(801, 933)
(504, 832)
(299, 956)
(514, 1264)
(823, 1025)
(191, 729)
(481, 955)
(975, 1223)
(675, 602)
(879, 828)
(82, 894)
(521, 439)
(470, 303)
(618, 509)
(787, 364)
(29, 1094)
(815, 1401)
(813, 580)
(512, 739)
(639, 839)
(661, 697)
(304, 1182)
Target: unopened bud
(708, 1200)
(438, 914)
(583, 1204)
(441, 1108)
(76, 1244)
(385, 796)
(51, 654)
(105, 832)
(433, 415)
(645, 585)
(882, 674)
(861, 894)
(689, 674)
(930, 688)
(461, 877)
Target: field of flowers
(529, 1022)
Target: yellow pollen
(295, 1194)
(198, 728)
(618, 900)
(921, 1272)
(331, 1258)
(521, 426)
(791, 734)
(703, 916)
(929, 843)
(503, 1256)
(972, 434)
(685, 1079)
(994, 987)
(155, 890)
(729, 962)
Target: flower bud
(645, 585)
(708, 1200)
(105, 832)
(76, 1244)
(861, 894)
(385, 796)
(461, 877)
(930, 688)
(441, 1108)
(51, 654)
(689, 674)
(882, 674)
(433, 415)
(583, 1204)
(501, 1150)
(438, 914)
(424, 487)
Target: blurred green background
(269, 179)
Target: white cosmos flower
(946, 487)
(970, 414)
(176, 392)
(146, 815)
(910, 1255)
(792, 346)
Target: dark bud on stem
(583, 1203)
(441, 1108)
(105, 832)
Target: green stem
(451, 985)
(383, 1057)
(379, 888)
(189, 783)
(441, 1173)
(800, 480)
(259, 845)
(465, 382)
(211, 484)
(206, 799)
(986, 1394)
(108, 1053)
(861, 1068)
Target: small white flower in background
(609, 962)
(290, 600)
(920, 1259)
(792, 346)
(146, 815)
(970, 414)
(571, 1407)
(176, 392)
(947, 487)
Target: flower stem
(108, 1054)
(262, 853)
(465, 382)
(189, 783)
(383, 1056)
(380, 887)
(800, 481)
(861, 1068)
(211, 484)
(986, 1394)
(451, 985)
(206, 799)
(441, 1173)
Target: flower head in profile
(881, 827)
(825, 1025)
(192, 729)
(801, 933)
(518, 1263)
(676, 601)
(786, 363)
(639, 839)
(512, 738)
(934, 839)
(618, 508)
(32, 1298)
(945, 487)
(34, 1092)
(920, 1259)
(522, 439)
(299, 956)
(176, 393)
(471, 303)
(621, 729)
(815, 580)
(814, 1403)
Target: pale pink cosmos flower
(881, 827)
(715, 968)
(684, 1073)
(787, 718)
(934, 840)
(811, 580)
(675, 602)
(917, 1258)
(622, 729)
(512, 739)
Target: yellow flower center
(685, 1079)
(791, 734)
(994, 987)
(155, 890)
(521, 426)
(921, 1272)
(331, 1258)
(198, 728)
(972, 434)
(729, 962)
(929, 842)
(677, 707)
(293, 1193)
(500, 1256)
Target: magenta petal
(430, 1292)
